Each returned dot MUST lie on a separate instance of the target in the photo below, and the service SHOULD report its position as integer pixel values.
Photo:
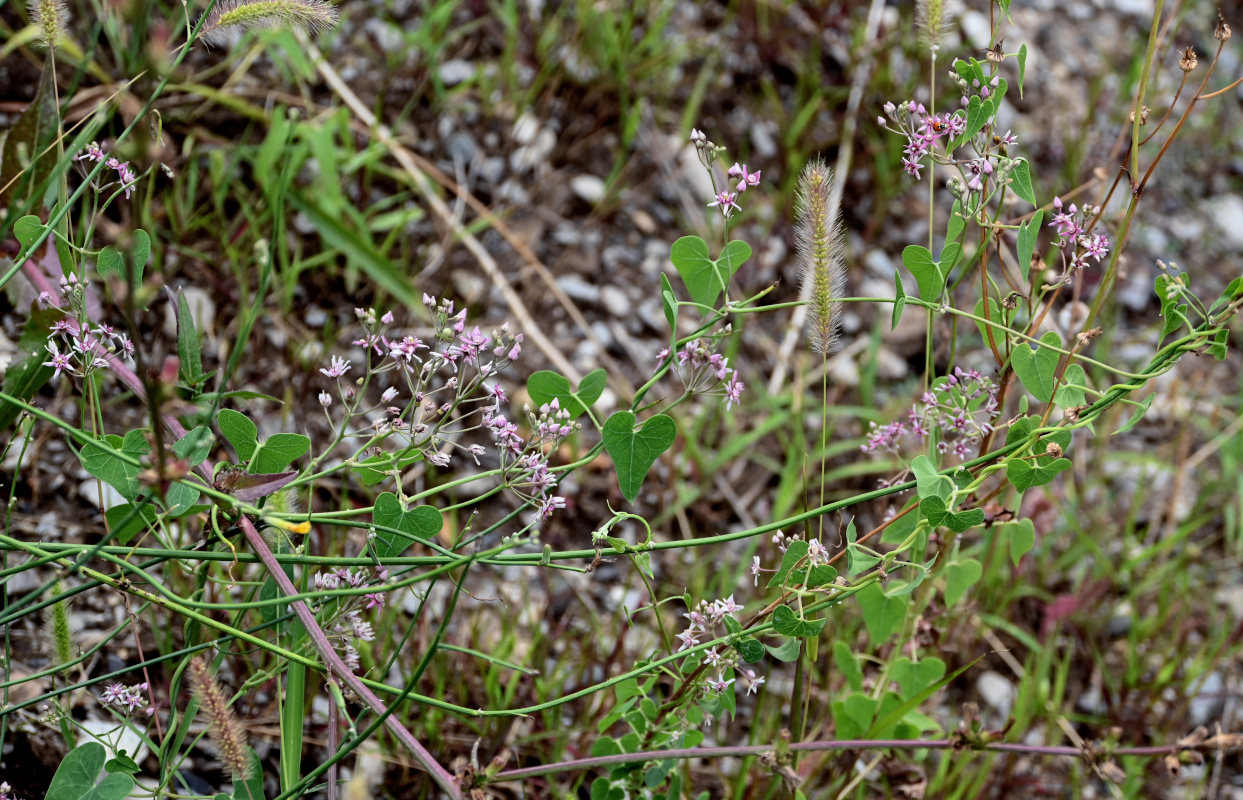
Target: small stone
(455, 71)
(202, 309)
(589, 188)
(92, 489)
(997, 691)
(315, 317)
(1227, 214)
(579, 289)
(615, 301)
(1209, 700)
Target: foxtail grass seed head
(51, 17)
(224, 729)
(931, 22)
(226, 16)
(818, 234)
(59, 631)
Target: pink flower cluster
(703, 370)
(707, 619)
(125, 176)
(347, 627)
(725, 200)
(957, 413)
(1071, 225)
(127, 698)
(85, 348)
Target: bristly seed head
(312, 16)
(818, 234)
(51, 17)
(225, 730)
(930, 19)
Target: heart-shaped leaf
(848, 663)
(915, 676)
(706, 278)
(634, 452)
(959, 577)
(853, 716)
(918, 260)
(899, 301)
(751, 650)
(788, 623)
(420, 522)
(277, 451)
(545, 386)
(241, 432)
(1027, 242)
(75, 777)
(1024, 473)
(1037, 367)
(1019, 535)
(1021, 184)
(102, 461)
(882, 615)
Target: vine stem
(337, 667)
(1220, 743)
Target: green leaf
(853, 716)
(545, 386)
(706, 278)
(418, 523)
(795, 552)
(128, 520)
(1217, 346)
(277, 452)
(977, 118)
(959, 577)
(669, 302)
(250, 785)
(928, 483)
(358, 249)
(957, 223)
(948, 258)
(1021, 181)
(75, 777)
(928, 276)
(1028, 231)
(27, 229)
(240, 431)
(899, 301)
(385, 464)
(1020, 536)
(882, 616)
(189, 349)
(788, 623)
(634, 452)
(1169, 291)
(196, 445)
(787, 651)
(110, 264)
(1025, 474)
(102, 461)
(1071, 393)
(1036, 368)
(913, 677)
(751, 650)
(994, 315)
(848, 664)
(1022, 67)
(1137, 414)
(938, 513)
(30, 154)
(857, 559)
(26, 375)
(122, 763)
(139, 254)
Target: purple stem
(338, 668)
